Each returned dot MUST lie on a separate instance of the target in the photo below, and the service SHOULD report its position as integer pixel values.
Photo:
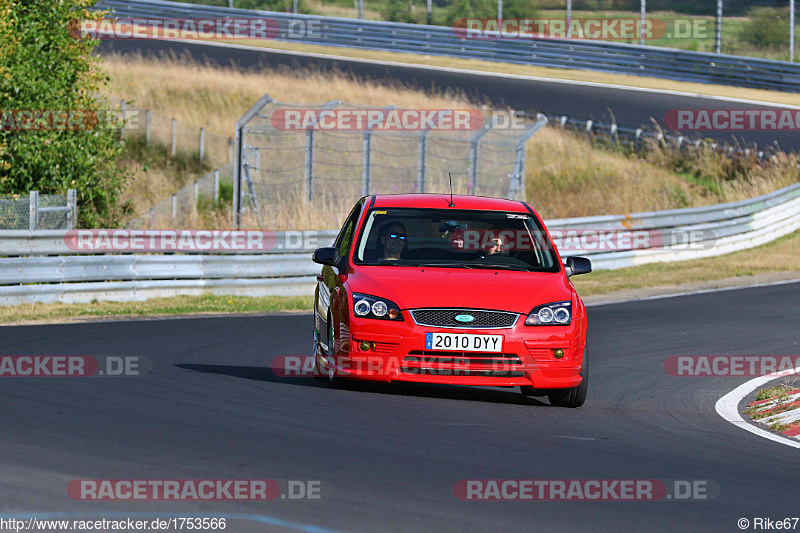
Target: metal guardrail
(618, 58)
(71, 276)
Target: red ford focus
(464, 290)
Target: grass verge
(176, 306)
(777, 256)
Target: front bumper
(397, 353)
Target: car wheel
(576, 396)
(527, 390)
(337, 382)
(317, 372)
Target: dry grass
(565, 176)
(215, 98)
(586, 76)
(203, 96)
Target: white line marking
(484, 73)
(728, 408)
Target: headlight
(554, 314)
(366, 306)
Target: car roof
(443, 201)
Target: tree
(45, 66)
(471, 9)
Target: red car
(460, 290)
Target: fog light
(558, 353)
(364, 346)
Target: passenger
(495, 246)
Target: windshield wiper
(502, 267)
(446, 265)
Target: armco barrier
(631, 59)
(40, 267)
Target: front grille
(446, 318)
(442, 363)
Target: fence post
(216, 187)
(516, 187)
(174, 136)
(308, 186)
(152, 217)
(202, 143)
(422, 154)
(33, 211)
(473, 154)
(174, 207)
(366, 163)
(309, 166)
(122, 129)
(196, 194)
(148, 118)
(791, 31)
(237, 176)
(72, 204)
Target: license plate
(463, 342)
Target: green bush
(471, 9)
(403, 11)
(264, 5)
(487, 9)
(45, 66)
(766, 28)
(520, 9)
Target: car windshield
(455, 238)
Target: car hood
(416, 287)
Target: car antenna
(449, 175)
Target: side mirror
(327, 256)
(578, 265)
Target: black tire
(337, 382)
(317, 372)
(576, 396)
(533, 393)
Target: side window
(345, 238)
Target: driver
(393, 239)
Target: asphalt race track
(629, 107)
(388, 457)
